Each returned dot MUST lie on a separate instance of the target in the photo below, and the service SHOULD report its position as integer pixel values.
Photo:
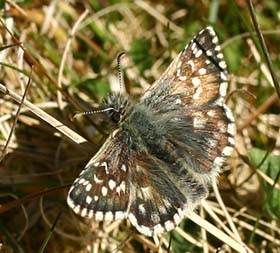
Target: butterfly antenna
(77, 114)
(120, 72)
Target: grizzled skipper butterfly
(166, 150)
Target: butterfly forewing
(197, 75)
(195, 86)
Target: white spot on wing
(133, 219)
(231, 128)
(147, 192)
(90, 214)
(123, 168)
(202, 71)
(198, 53)
(178, 101)
(218, 48)
(158, 229)
(77, 208)
(105, 166)
(182, 78)
(229, 113)
(222, 64)
(76, 180)
(209, 52)
(119, 215)
(82, 172)
(196, 81)
(227, 151)
(88, 187)
(121, 187)
(211, 30)
(193, 46)
(177, 218)
(97, 180)
(220, 101)
(178, 73)
(220, 56)
(85, 183)
(221, 126)
(81, 181)
(142, 209)
(223, 89)
(169, 225)
(108, 216)
(112, 184)
(83, 212)
(155, 218)
(118, 190)
(144, 230)
(231, 140)
(88, 199)
(104, 190)
(99, 215)
(218, 162)
(215, 40)
(181, 213)
(161, 209)
(195, 50)
(70, 201)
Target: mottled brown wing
(192, 92)
(160, 196)
(101, 191)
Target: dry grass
(72, 48)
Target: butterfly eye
(116, 116)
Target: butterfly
(164, 152)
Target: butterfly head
(115, 107)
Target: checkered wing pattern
(192, 90)
(161, 195)
(101, 191)
(158, 164)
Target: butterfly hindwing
(159, 197)
(102, 188)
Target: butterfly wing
(160, 196)
(198, 74)
(189, 97)
(192, 135)
(145, 182)
(102, 188)
(118, 183)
